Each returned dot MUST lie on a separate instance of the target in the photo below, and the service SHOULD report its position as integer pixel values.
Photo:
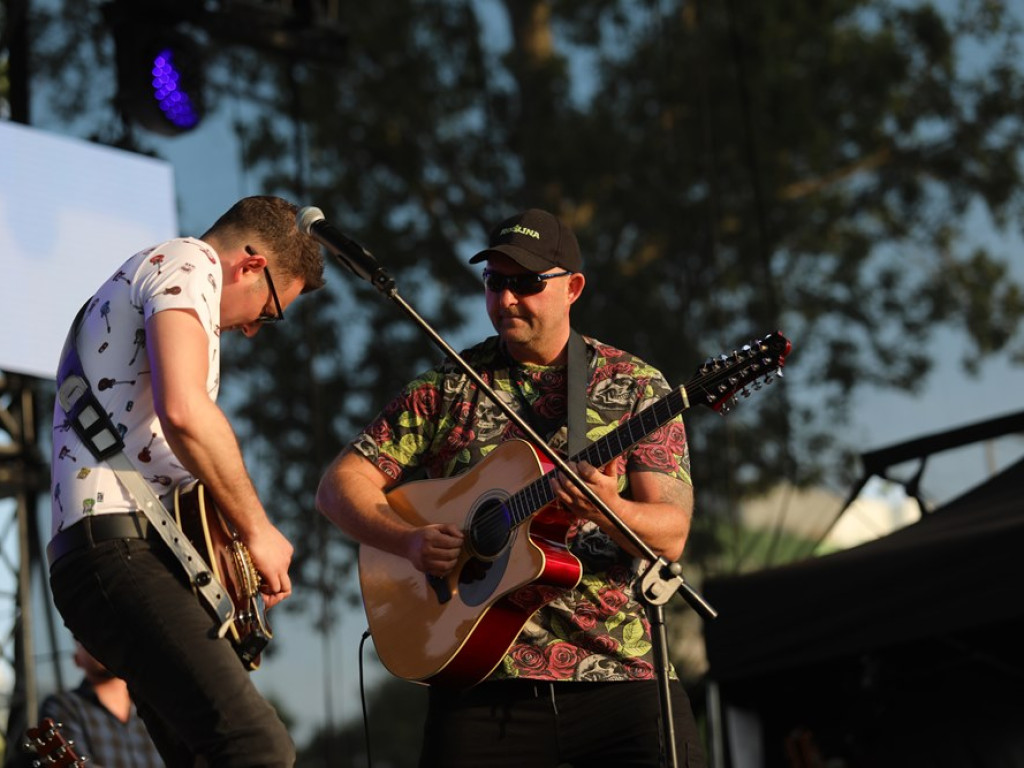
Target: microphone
(311, 221)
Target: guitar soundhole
(488, 539)
(489, 529)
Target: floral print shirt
(442, 424)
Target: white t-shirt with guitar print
(183, 273)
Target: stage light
(160, 66)
(160, 80)
(171, 93)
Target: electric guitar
(197, 515)
(53, 749)
(456, 629)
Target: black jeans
(515, 723)
(129, 603)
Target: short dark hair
(268, 222)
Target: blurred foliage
(731, 168)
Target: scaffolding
(24, 479)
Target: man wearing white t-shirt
(149, 344)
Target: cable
(362, 699)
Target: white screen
(70, 213)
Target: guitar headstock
(719, 380)
(53, 749)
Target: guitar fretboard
(525, 502)
(716, 382)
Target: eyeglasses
(520, 285)
(264, 317)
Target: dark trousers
(128, 602)
(514, 723)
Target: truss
(24, 481)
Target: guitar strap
(95, 429)
(576, 377)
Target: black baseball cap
(536, 240)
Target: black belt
(90, 531)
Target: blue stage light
(160, 75)
(171, 96)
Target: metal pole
(26, 662)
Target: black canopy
(904, 651)
(959, 567)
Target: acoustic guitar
(455, 630)
(196, 513)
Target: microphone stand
(658, 583)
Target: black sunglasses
(520, 285)
(264, 317)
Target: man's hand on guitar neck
(602, 482)
(659, 511)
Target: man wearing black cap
(576, 683)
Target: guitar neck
(529, 500)
(715, 385)
(632, 431)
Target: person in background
(578, 685)
(100, 719)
